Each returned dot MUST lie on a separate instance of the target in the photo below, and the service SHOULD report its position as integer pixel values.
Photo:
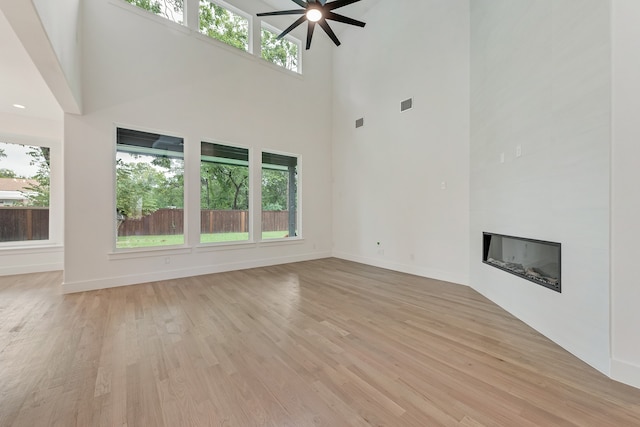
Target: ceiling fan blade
(327, 29)
(340, 3)
(283, 12)
(292, 26)
(310, 28)
(300, 3)
(344, 19)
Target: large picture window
(149, 189)
(224, 193)
(279, 196)
(225, 23)
(24, 192)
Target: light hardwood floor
(321, 343)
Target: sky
(17, 159)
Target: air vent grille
(407, 104)
(359, 123)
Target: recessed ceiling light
(20, 106)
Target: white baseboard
(626, 373)
(445, 276)
(30, 268)
(114, 282)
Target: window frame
(251, 191)
(162, 18)
(53, 238)
(114, 186)
(236, 11)
(266, 26)
(299, 216)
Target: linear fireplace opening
(535, 260)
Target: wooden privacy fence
(171, 221)
(19, 223)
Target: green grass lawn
(150, 241)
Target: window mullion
(191, 14)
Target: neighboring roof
(12, 195)
(16, 184)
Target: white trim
(430, 273)
(31, 253)
(113, 282)
(31, 268)
(30, 247)
(147, 252)
(625, 372)
(281, 241)
(225, 246)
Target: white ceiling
(20, 81)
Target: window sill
(225, 246)
(149, 252)
(282, 242)
(33, 248)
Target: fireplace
(535, 260)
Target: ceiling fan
(317, 11)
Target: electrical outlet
(501, 157)
(518, 150)
(167, 260)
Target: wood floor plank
(319, 343)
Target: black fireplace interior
(535, 260)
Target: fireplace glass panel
(535, 260)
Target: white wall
(387, 175)
(141, 72)
(540, 79)
(30, 257)
(625, 197)
(61, 21)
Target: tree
(275, 190)
(7, 173)
(221, 24)
(143, 187)
(134, 188)
(280, 52)
(2, 153)
(170, 9)
(224, 187)
(39, 193)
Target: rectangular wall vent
(407, 104)
(359, 123)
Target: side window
(225, 23)
(149, 189)
(279, 196)
(24, 192)
(284, 52)
(173, 10)
(224, 193)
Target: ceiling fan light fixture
(317, 12)
(314, 15)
